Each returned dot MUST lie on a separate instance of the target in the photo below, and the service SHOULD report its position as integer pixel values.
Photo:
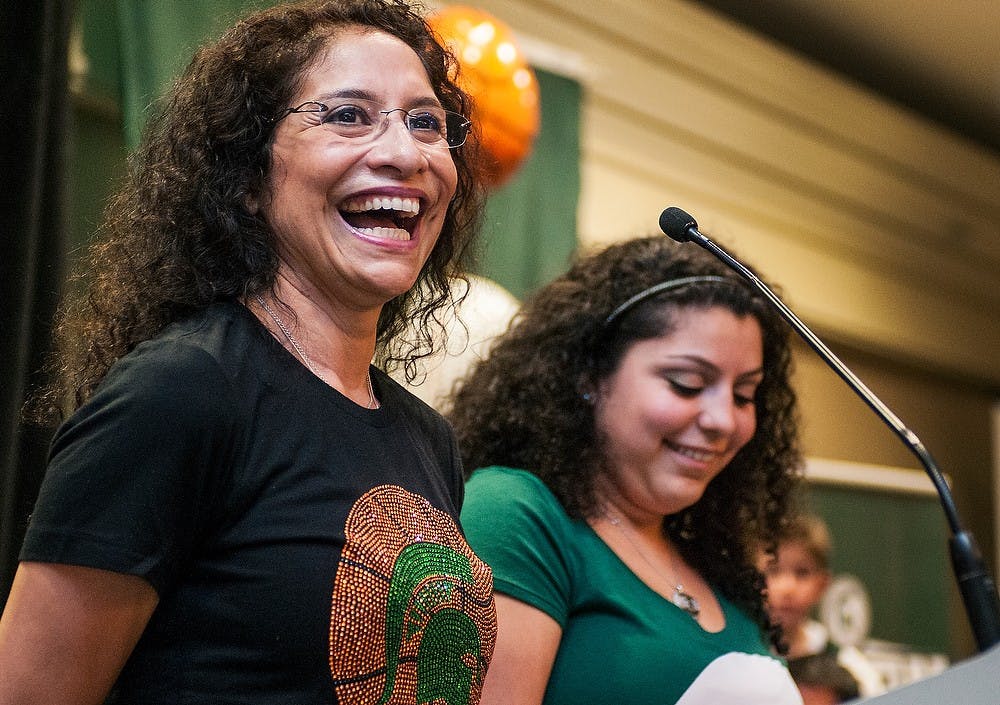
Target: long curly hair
(523, 405)
(180, 234)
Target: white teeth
(699, 455)
(386, 233)
(375, 203)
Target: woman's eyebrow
(346, 93)
(422, 101)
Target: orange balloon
(493, 71)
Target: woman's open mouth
(388, 217)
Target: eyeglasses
(365, 120)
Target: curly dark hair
(523, 406)
(180, 233)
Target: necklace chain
(685, 600)
(372, 404)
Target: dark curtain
(35, 122)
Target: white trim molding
(867, 476)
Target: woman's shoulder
(512, 492)
(397, 396)
(501, 478)
(517, 526)
(224, 331)
(199, 358)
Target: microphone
(679, 225)
(979, 592)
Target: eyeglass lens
(363, 118)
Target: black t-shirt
(213, 464)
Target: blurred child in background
(798, 574)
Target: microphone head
(677, 224)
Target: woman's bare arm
(67, 631)
(527, 642)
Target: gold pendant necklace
(372, 403)
(680, 598)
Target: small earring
(587, 397)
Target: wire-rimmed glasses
(364, 119)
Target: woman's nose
(718, 412)
(394, 145)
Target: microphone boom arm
(979, 593)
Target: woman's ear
(256, 195)
(587, 390)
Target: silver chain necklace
(372, 404)
(685, 600)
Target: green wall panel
(896, 543)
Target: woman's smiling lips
(697, 454)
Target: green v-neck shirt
(621, 641)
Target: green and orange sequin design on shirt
(412, 618)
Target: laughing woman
(635, 435)
(240, 507)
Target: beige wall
(882, 230)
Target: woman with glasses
(634, 432)
(241, 507)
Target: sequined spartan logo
(412, 618)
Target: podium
(975, 681)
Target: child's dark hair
(822, 670)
